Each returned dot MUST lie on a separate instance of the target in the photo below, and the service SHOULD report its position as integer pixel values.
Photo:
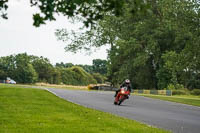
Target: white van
(10, 81)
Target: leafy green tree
(165, 39)
(99, 66)
(3, 8)
(30, 69)
(24, 71)
(65, 65)
(99, 78)
(87, 68)
(56, 76)
(89, 10)
(18, 67)
(44, 69)
(7, 65)
(90, 39)
(60, 64)
(67, 76)
(76, 76)
(164, 78)
(82, 76)
(3, 74)
(25, 74)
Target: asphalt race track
(178, 118)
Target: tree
(3, 74)
(30, 69)
(99, 78)
(7, 65)
(76, 76)
(151, 40)
(142, 44)
(24, 71)
(82, 76)
(3, 8)
(25, 74)
(100, 66)
(89, 10)
(18, 67)
(90, 39)
(65, 65)
(87, 68)
(56, 76)
(44, 69)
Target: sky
(18, 35)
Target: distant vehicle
(10, 81)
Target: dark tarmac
(178, 118)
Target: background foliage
(25, 68)
(154, 43)
(156, 48)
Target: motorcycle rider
(127, 84)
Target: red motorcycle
(122, 95)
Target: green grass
(47, 86)
(185, 99)
(28, 110)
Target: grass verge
(62, 86)
(185, 99)
(44, 85)
(28, 110)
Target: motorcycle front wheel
(120, 101)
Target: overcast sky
(18, 35)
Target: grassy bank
(44, 85)
(61, 86)
(28, 110)
(185, 99)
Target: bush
(179, 86)
(99, 78)
(82, 76)
(170, 87)
(179, 92)
(175, 87)
(76, 76)
(195, 92)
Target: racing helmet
(127, 81)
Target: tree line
(25, 68)
(159, 49)
(155, 43)
(156, 48)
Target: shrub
(175, 87)
(170, 87)
(82, 76)
(99, 78)
(179, 92)
(68, 77)
(76, 76)
(179, 86)
(195, 92)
